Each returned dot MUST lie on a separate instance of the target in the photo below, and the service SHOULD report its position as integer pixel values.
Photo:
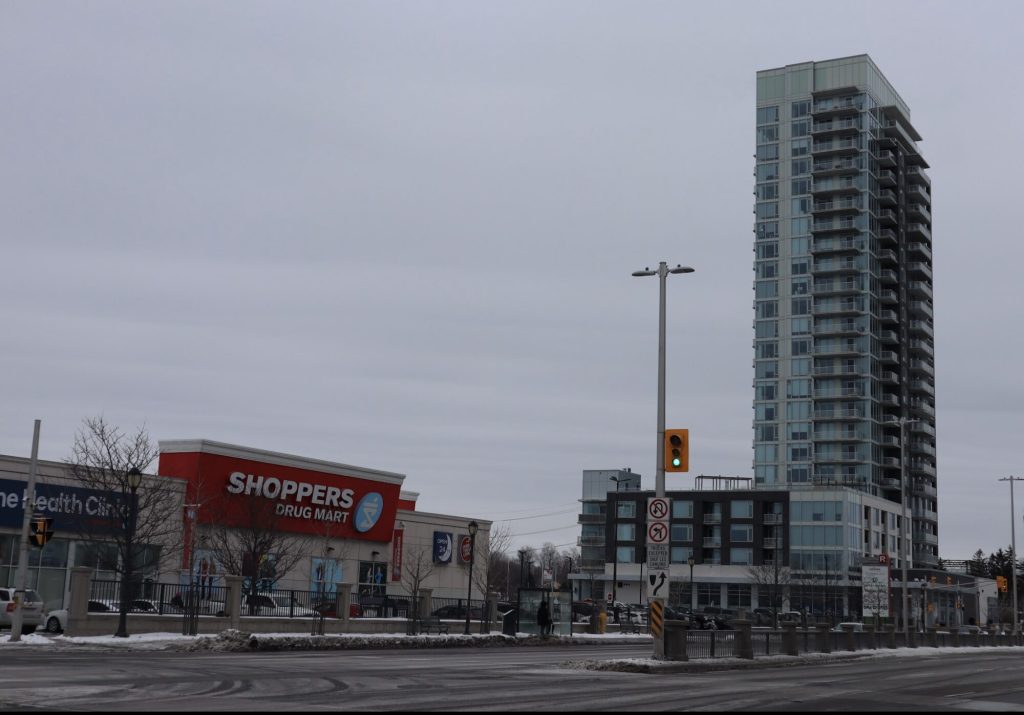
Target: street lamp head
(644, 272)
(473, 527)
(680, 269)
(134, 478)
(690, 561)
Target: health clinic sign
(320, 500)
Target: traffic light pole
(28, 507)
(659, 479)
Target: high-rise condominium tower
(844, 381)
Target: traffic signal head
(677, 450)
(41, 530)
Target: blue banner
(74, 510)
(443, 542)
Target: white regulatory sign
(657, 557)
(657, 508)
(657, 584)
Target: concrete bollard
(233, 605)
(744, 639)
(789, 642)
(821, 637)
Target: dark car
(581, 610)
(329, 609)
(458, 611)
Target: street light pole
(662, 273)
(132, 480)
(615, 546)
(904, 543)
(690, 560)
(1013, 536)
(659, 462)
(473, 526)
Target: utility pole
(28, 507)
(1013, 541)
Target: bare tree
(246, 538)
(775, 579)
(144, 517)
(417, 567)
(491, 568)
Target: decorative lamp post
(132, 480)
(691, 561)
(473, 526)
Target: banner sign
(443, 543)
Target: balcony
(922, 386)
(924, 489)
(848, 348)
(920, 211)
(922, 406)
(889, 399)
(850, 305)
(712, 542)
(919, 192)
(921, 307)
(590, 541)
(889, 377)
(921, 268)
(836, 127)
(833, 434)
(836, 167)
(886, 235)
(923, 537)
(888, 275)
(592, 519)
(774, 542)
(885, 158)
(889, 440)
(837, 106)
(835, 287)
(890, 483)
(839, 413)
(837, 146)
(838, 205)
(712, 518)
(839, 392)
(889, 356)
(889, 336)
(920, 288)
(890, 462)
(849, 264)
(769, 519)
(924, 366)
(826, 225)
(887, 197)
(922, 427)
(922, 327)
(888, 295)
(917, 175)
(887, 216)
(842, 327)
(923, 448)
(921, 248)
(889, 316)
(887, 254)
(922, 346)
(844, 457)
(919, 229)
(837, 185)
(833, 244)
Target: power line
(538, 516)
(544, 531)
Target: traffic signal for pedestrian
(41, 530)
(677, 450)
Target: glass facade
(844, 390)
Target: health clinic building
(360, 527)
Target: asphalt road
(520, 678)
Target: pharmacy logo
(368, 511)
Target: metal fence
(711, 644)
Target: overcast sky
(400, 235)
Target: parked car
(265, 604)
(458, 611)
(31, 609)
(329, 609)
(763, 616)
(969, 629)
(854, 626)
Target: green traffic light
(676, 461)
